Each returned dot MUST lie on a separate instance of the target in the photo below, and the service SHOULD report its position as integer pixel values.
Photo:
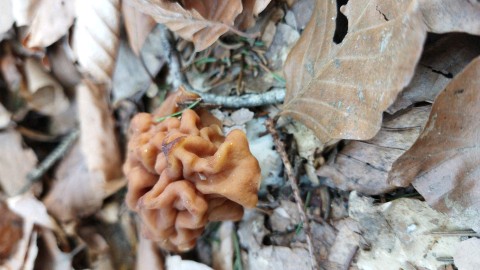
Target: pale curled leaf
(77, 192)
(98, 141)
(444, 163)
(96, 37)
(340, 91)
(52, 20)
(201, 22)
(467, 255)
(45, 94)
(15, 162)
(6, 20)
(137, 24)
(364, 165)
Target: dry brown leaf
(200, 21)
(340, 91)
(77, 192)
(45, 93)
(15, 162)
(6, 20)
(440, 62)
(97, 132)
(51, 21)
(96, 37)
(10, 232)
(251, 9)
(364, 165)
(4, 117)
(444, 162)
(467, 255)
(137, 24)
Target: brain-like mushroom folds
(183, 173)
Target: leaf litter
(387, 180)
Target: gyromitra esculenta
(182, 173)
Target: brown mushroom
(182, 173)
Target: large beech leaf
(444, 163)
(341, 90)
(199, 21)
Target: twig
(280, 146)
(275, 96)
(469, 233)
(53, 157)
(175, 67)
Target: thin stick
(280, 146)
(50, 160)
(275, 96)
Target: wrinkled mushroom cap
(182, 173)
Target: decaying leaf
(10, 232)
(51, 21)
(137, 24)
(443, 164)
(6, 20)
(97, 132)
(4, 117)
(364, 165)
(440, 62)
(15, 162)
(346, 244)
(96, 37)
(45, 93)
(467, 255)
(398, 234)
(77, 192)
(199, 21)
(341, 90)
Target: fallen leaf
(96, 37)
(340, 90)
(176, 262)
(251, 9)
(138, 26)
(10, 232)
(51, 21)
(278, 257)
(443, 164)
(398, 234)
(346, 244)
(6, 20)
(130, 77)
(61, 60)
(440, 62)
(31, 210)
(364, 165)
(201, 22)
(467, 255)
(24, 11)
(4, 117)
(45, 93)
(77, 192)
(285, 217)
(98, 141)
(15, 162)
